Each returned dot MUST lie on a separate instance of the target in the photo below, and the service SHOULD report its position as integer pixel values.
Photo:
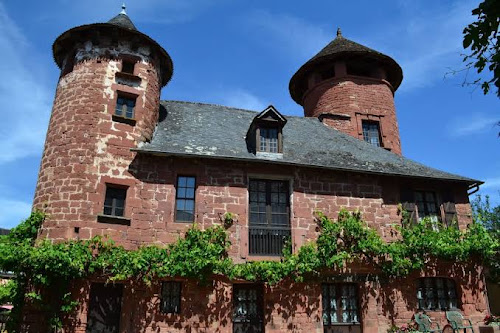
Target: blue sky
(243, 54)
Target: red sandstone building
(120, 162)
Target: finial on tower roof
(123, 9)
(339, 32)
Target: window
(128, 66)
(125, 106)
(170, 297)
(371, 132)
(185, 199)
(435, 293)
(268, 139)
(269, 216)
(427, 205)
(248, 308)
(114, 203)
(340, 303)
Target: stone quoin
(119, 162)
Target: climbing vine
(44, 267)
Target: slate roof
(342, 47)
(122, 20)
(214, 131)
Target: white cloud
(290, 33)
(429, 44)
(13, 212)
(425, 40)
(25, 101)
(243, 99)
(472, 124)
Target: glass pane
(181, 192)
(182, 181)
(181, 204)
(189, 205)
(190, 193)
(190, 182)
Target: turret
(351, 87)
(107, 102)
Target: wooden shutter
(450, 211)
(408, 204)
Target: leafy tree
(488, 216)
(481, 37)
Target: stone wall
(354, 99)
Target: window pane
(170, 297)
(371, 132)
(114, 201)
(125, 106)
(436, 294)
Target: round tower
(107, 102)
(350, 87)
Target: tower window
(114, 203)
(268, 139)
(125, 106)
(184, 210)
(371, 132)
(128, 66)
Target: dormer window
(265, 133)
(268, 139)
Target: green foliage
(489, 217)
(8, 292)
(45, 270)
(482, 39)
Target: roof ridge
(236, 108)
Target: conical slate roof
(122, 20)
(342, 47)
(120, 25)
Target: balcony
(268, 241)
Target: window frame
(258, 319)
(422, 290)
(176, 308)
(425, 213)
(279, 138)
(338, 304)
(113, 203)
(176, 217)
(125, 96)
(129, 65)
(379, 131)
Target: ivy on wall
(44, 270)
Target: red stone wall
(356, 99)
(288, 306)
(85, 147)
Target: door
(104, 308)
(248, 308)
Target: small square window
(185, 199)
(128, 66)
(125, 106)
(371, 132)
(114, 203)
(170, 297)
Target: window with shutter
(450, 211)
(408, 205)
